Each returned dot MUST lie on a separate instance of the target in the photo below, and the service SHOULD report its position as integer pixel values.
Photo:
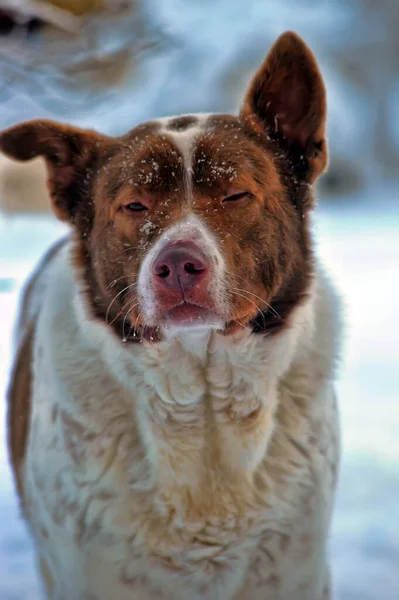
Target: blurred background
(111, 64)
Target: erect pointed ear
(71, 157)
(287, 99)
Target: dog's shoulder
(19, 404)
(20, 384)
(34, 290)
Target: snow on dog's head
(197, 221)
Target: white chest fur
(184, 470)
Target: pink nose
(180, 266)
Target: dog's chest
(168, 496)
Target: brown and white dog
(172, 418)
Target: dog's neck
(204, 405)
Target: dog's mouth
(190, 315)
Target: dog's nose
(180, 266)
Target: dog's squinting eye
(136, 207)
(237, 196)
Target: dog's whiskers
(235, 293)
(258, 298)
(128, 287)
(114, 281)
(129, 310)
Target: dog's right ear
(71, 155)
(287, 100)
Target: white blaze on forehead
(184, 140)
(192, 229)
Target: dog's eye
(237, 196)
(136, 207)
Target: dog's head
(195, 221)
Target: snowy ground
(359, 242)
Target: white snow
(147, 227)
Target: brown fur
(268, 238)
(287, 97)
(19, 402)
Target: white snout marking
(190, 229)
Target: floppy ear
(287, 99)
(71, 156)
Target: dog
(172, 417)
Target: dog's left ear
(287, 99)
